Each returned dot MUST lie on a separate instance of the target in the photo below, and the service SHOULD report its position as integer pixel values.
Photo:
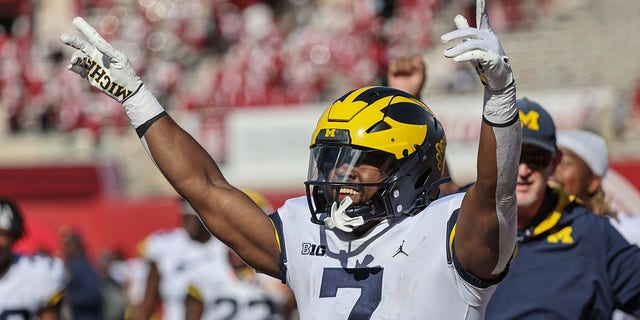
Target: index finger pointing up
(482, 16)
(95, 38)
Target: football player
(244, 294)
(379, 244)
(172, 256)
(30, 286)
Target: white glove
(106, 68)
(482, 48)
(111, 72)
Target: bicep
(477, 236)
(227, 212)
(240, 223)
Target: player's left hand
(106, 68)
(482, 48)
(407, 73)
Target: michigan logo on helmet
(386, 128)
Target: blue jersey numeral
(368, 280)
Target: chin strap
(338, 218)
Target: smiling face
(359, 174)
(536, 166)
(343, 171)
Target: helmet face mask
(379, 146)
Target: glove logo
(99, 75)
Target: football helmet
(11, 219)
(382, 127)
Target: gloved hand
(482, 48)
(111, 72)
(106, 68)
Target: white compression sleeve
(501, 113)
(142, 107)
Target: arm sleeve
(501, 113)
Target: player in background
(376, 161)
(173, 255)
(571, 263)
(30, 286)
(244, 294)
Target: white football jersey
(232, 298)
(403, 270)
(30, 284)
(176, 255)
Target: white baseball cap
(590, 147)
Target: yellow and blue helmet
(384, 127)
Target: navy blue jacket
(571, 264)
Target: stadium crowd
(208, 56)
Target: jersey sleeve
(53, 280)
(157, 243)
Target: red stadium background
(62, 198)
(59, 198)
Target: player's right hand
(106, 68)
(482, 48)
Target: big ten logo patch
(562, 236)
(441, 146)
(530, 120)
(309, 249)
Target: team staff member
(571, 263)
(581, 173)
(30, 286)
(377, 156)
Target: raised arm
(226, 211)
(486, 226)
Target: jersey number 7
(368, 280)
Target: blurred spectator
(84, 290)
(31, 287)
(188, 47)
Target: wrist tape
(500, 106)
(142, 107)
